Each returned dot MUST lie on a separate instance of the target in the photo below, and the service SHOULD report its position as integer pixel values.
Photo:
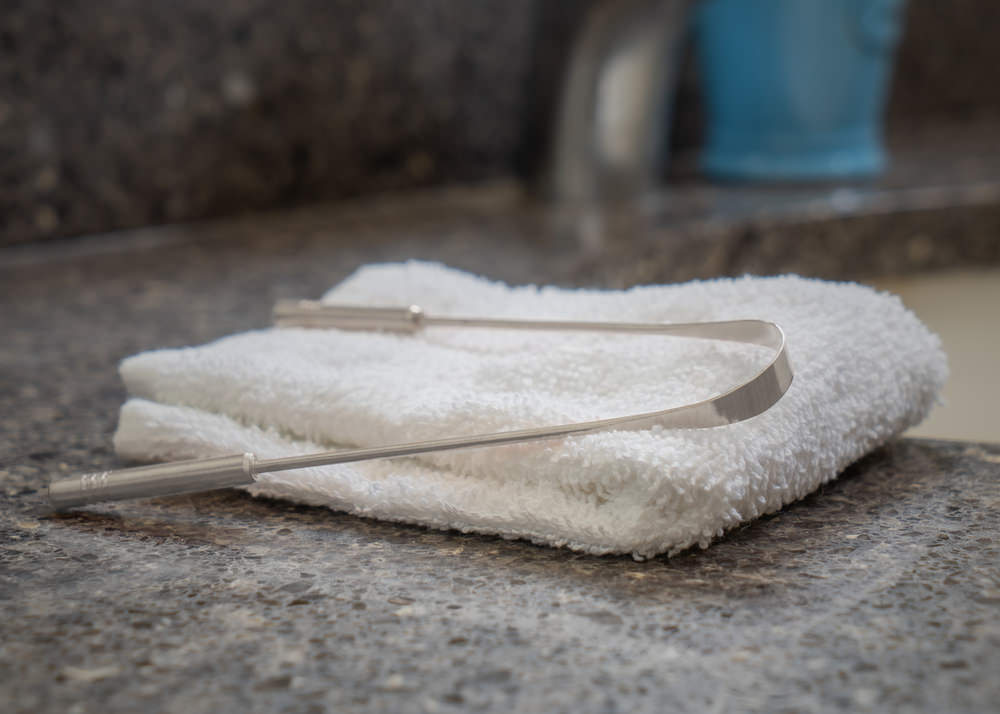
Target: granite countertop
(878, 593)
(116, 114)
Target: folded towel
(865, 370)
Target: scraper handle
(156, 480)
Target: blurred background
(607, 142)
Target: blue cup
(795, 89)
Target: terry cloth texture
(865, 370)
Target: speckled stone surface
(878, 593)
(938, 206)
(117, 113)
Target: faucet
(609, 139)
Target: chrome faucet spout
(612, 120)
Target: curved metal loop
(741, 402)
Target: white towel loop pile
(866, 369)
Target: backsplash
(118, 113)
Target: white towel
(865, 370)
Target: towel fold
(865, 370)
